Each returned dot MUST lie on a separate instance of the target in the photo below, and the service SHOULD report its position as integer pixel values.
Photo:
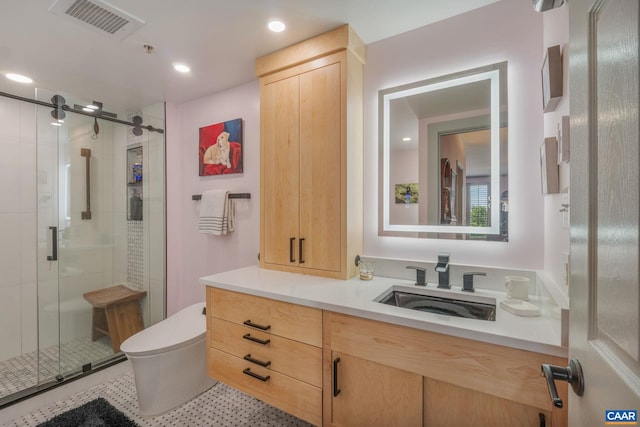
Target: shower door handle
(54, 244)
(85, 152)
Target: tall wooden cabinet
(311, 155)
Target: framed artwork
(549, 166)
(563, 140)
(551, 79)
(407, 193)
(220, 149)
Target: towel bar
(231, 196)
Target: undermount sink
(440, 302)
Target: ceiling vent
(99, 16)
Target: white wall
(191, 255)
(508, 30)
(556, 223)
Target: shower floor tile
(221, 405)
(21, 372)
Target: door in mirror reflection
(465, 182)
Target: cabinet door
(280, 166)
(470, 407)
(320, 167)
(374, 395)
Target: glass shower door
(68, 181)
(74, 245)
(76, 239)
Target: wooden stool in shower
(116, 313)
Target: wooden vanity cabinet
(333, 369)
(430, 379)
(269, 349)
(311, 155)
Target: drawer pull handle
(254, 339)
(256, 361)
(254, 375)
(255, 325)
(291, 242)
(336, 390)
(300, 251)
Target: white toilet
(168, 360)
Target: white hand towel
(216, 213)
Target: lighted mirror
(444, 156)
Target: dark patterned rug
(96, 413)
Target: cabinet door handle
(254, 339)
(54, 244)
(256, 361)
(336, 390)
(291, 242)
(300, 252)
(255, 325)
(247, 371)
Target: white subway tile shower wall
(17, 227)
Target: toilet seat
(178, 330)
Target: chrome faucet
(442, 267)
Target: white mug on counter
(517, 287)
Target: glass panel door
(75, 236)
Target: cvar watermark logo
(621, 417)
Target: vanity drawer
(292, 358)
(283, 319)
(290, 395)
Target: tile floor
(219, 406)
(21, 372)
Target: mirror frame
(497, 76)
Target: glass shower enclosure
(86, 210)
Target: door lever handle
(572, 374)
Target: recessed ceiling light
(56, 124)
(406, 139)
(181, 68)
(276, 26)
(18, 78)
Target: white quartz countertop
(355, 297)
